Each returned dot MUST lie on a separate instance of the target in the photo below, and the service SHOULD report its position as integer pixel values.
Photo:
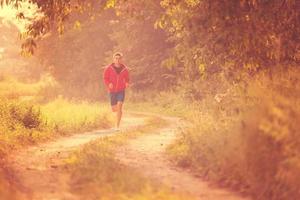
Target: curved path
(147, 155)
(41, 171)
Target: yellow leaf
(77, 25)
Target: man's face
(117, 59)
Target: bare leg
(114, 108)
(119, 113)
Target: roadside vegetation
(29, 121)
(106, 178)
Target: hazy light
(8, 14)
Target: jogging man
(116, 79)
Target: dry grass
(24, 121)
(249, 140)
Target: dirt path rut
(147, 155)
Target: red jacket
(118, 80)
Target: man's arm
(127, 78)
(106, 76)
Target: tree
(51, 17)
(144, 46)
(76, 58)
(251, 34)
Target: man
(116, 79)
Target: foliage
(230, 67)
(232, 34)
(76, 66)
(143, 56)
(51, 16)
(258, 127)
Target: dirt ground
(42, 175)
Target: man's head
(118, 57)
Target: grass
(106, 178)
(31, 113)
(11, 88)
(163, 102)
(67, 117)
(248, 141)
(24, 124)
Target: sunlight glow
(9, 13)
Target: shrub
(249, 139)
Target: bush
(26, 115)
(15, 114)
(272, 140)
(249, 138)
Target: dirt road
(43, 176)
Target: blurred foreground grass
(105, 178)
(246, 138)
(31, 113)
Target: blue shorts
(116, 96)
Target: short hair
(118, 54)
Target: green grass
(65, 116)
